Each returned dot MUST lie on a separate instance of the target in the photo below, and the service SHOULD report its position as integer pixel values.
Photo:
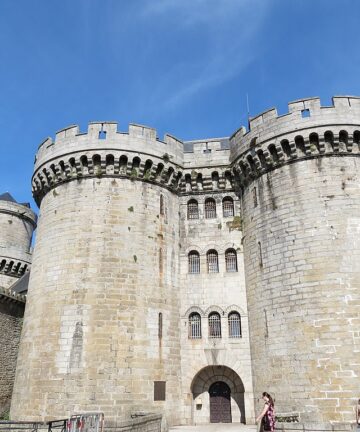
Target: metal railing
(89, 422)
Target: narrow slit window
(255, 197)
(160, 325)
(162, 210)
(260, 255)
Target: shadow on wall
(202, 383)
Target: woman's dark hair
(269, 397)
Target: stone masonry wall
(221, 292)
(11, 312)
(105, 266)
(302, 250)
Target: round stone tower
(101, 327)
(17, 223)
(299, 180)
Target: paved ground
(215, 427)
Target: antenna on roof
(248, 110)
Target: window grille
(212, 261)
(210, 208)
(231, 261)
(234, 325)
(194, 326)
(193, 209)
(194, 262)
(214, 325)
(228, 207)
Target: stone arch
(235, 308)
(192, 309)
(193, 248)
(209, 375)
(214, 308)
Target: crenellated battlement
(105, 135)
(137, 155)
(308, 130)
(302, 114)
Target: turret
(102, 315)
(17, 223)
(298, 178)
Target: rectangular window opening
(102, 135)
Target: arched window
(212, 261)
(194, 326)
(214, 325)
(192, 209)
(194, 262)
(210, 208)
(234, 321)
(228, 207)
(231, 260)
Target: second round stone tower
(299, 180)
(101, 328)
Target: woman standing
(267, 417)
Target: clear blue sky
(181, 66)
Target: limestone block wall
(96, 290)
(300, 206)
(221, 359)
(11, 313)
(102, 317)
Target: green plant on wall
(235, 224)
(133, 174)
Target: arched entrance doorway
(218, 396)
(220, 404)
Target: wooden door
(220, 406)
